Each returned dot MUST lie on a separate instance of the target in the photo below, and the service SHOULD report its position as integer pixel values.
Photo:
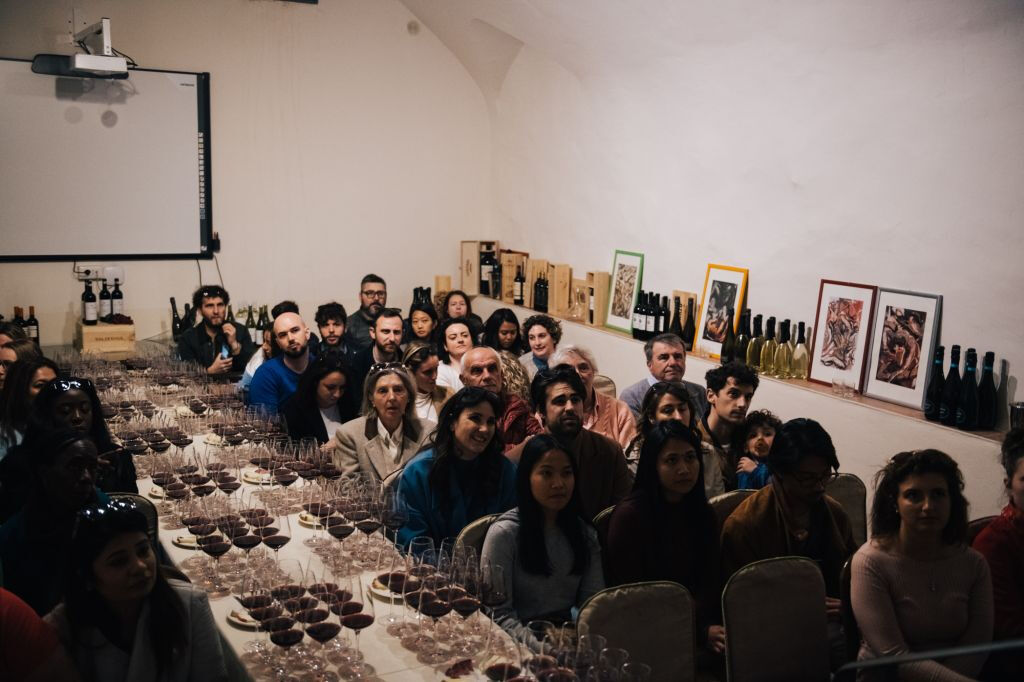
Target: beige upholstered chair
(726, 503)
(604, 384)
(653, 621)
(148, 510)
(851, 494)
(775, 624)
(473, 535)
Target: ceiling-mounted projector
(100, 60)
(99, 65)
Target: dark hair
(442, 330)
(797, 440)
(743, 374)
(44, 445)
(647, 467)
(563, 374)
(14, 403)
(667, 338)
(493, 324)
(284, 307)
(209, 291)
(95, 527)
(372, 279)
(885, 515)
(653, 398)
(1009, 456)
(533, 553)
(553, 326)
(24, 349)
(43, 417)
(754, 420)
(386, 314)
(487, 473)
(448, 298)
(330, 311)
(416, 354)
(304, 398)
(12, 330)
(428, 310)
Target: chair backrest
(604, 384)
(975, 527)
(653, 621)
(601, 521)
(775, 623)
(852, 495)
(147, 508)
(473, 534)
(726, 503)
(850, 629)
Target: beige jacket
(359, 447)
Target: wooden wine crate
(559, 288)
(469, 263)
(510, 262)
(443, 284)
(534, 268)
(105, 339)
(601, 283)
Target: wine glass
(493, 590)
(394, 513)
(278, 535)
(538, 645)
(216, 545)
(500, 659)
(357, 621)
(636, 672)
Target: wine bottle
(986, 393)
(517, 286)
(769, 348)
(117, 298)
(743, 338)
(637, 323)
(967, 405)
(590, 312)
(230, 316)
(88, 305)
(263, 323)
(488, 265)
(653, 312)
(756, 344)
(801, 361)
(105, 306)
(250, 326)
(690, 328)
(190, 317)
(19, 317)
(951, 391)
(784, 353)
(728, 353)
(176, 323)
(496, 279)
(936, 384)
(666, 316)
(428, 296)
(32, 325)
(676, 326)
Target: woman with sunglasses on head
(916, 585)
(24, 381)
(421, 360)
(463, 475)
(121, 619)
(317, 409)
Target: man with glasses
(373, 297)
(219, 346)
(729, 393)
(385, 337)
(276, 379)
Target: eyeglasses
(375, 294)
(807, 478)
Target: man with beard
(276, 379)
(666, 361)
(730, 390)
(373, 297)
(602, 477)
(331, 320)
(481, 367)
(386, 337)
(219, 346)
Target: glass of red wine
(216, 545)
(357, 621)
(277, 535)
(394, 513)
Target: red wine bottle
(677, 322)
(967, 404)
(32, 325)
(639, 321)
(690, 328)
(176, 323)
(933, 394)
(986, 394)
(743, 338)
(88, 305)
(106, 308)
(951, 391)
(728, 353)
(665, 317)
(518, 285)
(117, 298)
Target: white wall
(336, 136)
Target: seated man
(481, 367)
(331, 319)
(276, 379)
(602, 413)
(666, 361)
(730, 390)
(792, 515)
(373, 297)
(219, 346)
(287, 306)
(602, 477)
(386, 338)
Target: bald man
(481, 367)
(276, 379)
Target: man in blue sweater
(276, 379)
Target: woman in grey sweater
(550, 555)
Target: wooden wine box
(469, 263)
(105, 339)
(442, 284)
(510, 262)
(534, 268)
(600, 283)
(559, 288)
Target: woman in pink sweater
(916, 585)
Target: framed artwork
(842, 329)
(627, 274)
(903, 340)
(725, 289)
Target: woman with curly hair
(542, 334)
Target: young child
(752, 443)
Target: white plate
(242, 620)
(185, 542)
(309, 521)
(157, 493)
(384, 594)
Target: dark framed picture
(842, 327)
(725, 289)
(906, 329)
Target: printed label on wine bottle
(32, 331)
(89, 310)
(104, 307)
(650, 323)
(118, 306)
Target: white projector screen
(94, 168)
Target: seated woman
(456, 304)
(13, 351)
(420, 324)
(666, 530)
(421, 360)
(1002, 544)
(542, 334)
(61, 475)
(667, 401)
(389, 433)
(316, 409)
(73, 403)
(550, 555)
(602, 413)
(753, 441)
(121, 619)
(502, 333)
(916, 585)
(463, 475)
(10, 331)
(453, 340)
(25, 379)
